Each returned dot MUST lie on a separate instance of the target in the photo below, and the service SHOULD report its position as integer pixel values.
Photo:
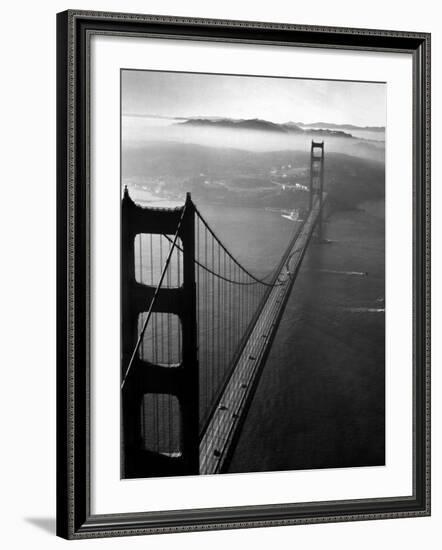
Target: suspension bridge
(196, 329)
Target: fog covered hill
(245, 124)
(261, 125)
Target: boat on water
(293, 216)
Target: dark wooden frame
(74, 519)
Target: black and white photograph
(252, 273)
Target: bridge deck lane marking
(232, 405)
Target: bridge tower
(144, 378)
(317, 178)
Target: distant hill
(246, 124)
(262, 125)
(339, 126)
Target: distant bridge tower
(317, 177)
(145, 380)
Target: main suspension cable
(242, 283)
(262, 281)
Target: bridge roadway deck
(227, 418)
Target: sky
(168, 94)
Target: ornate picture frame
(76, 518)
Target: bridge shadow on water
(320, 402)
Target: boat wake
(335, 272)
(364, 309)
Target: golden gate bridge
(196, 329)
